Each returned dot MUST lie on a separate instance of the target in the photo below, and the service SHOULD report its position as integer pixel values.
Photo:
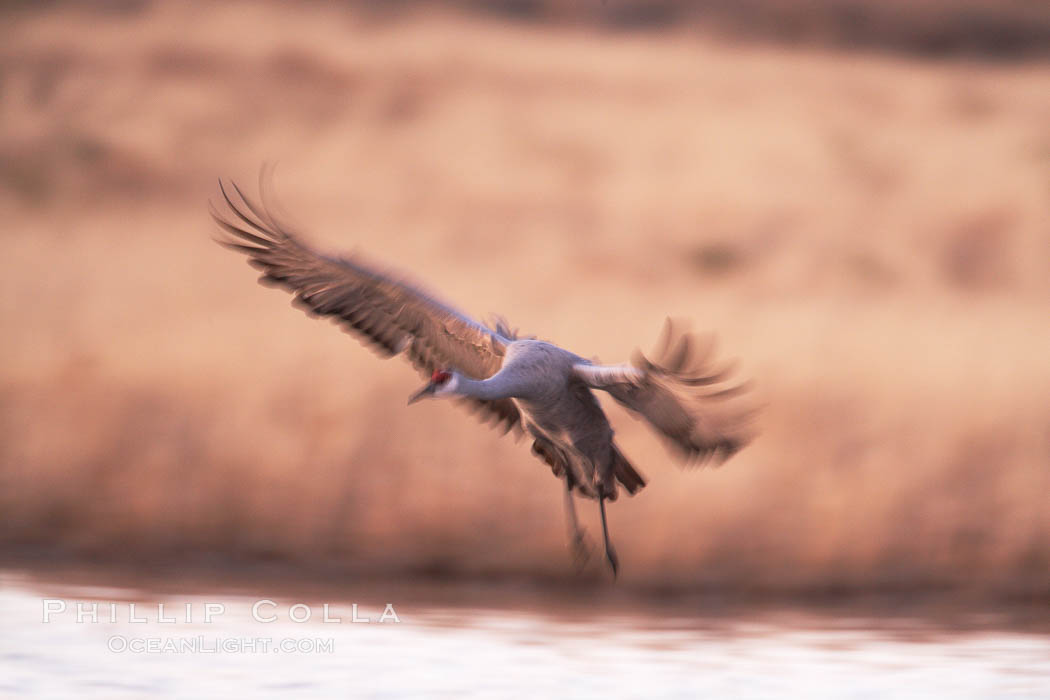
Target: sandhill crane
(521, 384)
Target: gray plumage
(520, 384)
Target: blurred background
(853, 194)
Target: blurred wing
(687, 399)
(389, 315)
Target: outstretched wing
(694, 405)
(388, 314)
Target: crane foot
(582, 549)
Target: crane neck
(491, 389)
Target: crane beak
(424, 393)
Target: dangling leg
(610, 553)
(581, 550)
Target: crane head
(441, 378)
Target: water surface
(489, 648)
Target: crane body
(522, 384)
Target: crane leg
(610, 553)
(581, 549)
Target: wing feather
(388, 314)
(683, 394)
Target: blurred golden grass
(868, 235)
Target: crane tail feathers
(626, 474)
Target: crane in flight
(518, 383)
